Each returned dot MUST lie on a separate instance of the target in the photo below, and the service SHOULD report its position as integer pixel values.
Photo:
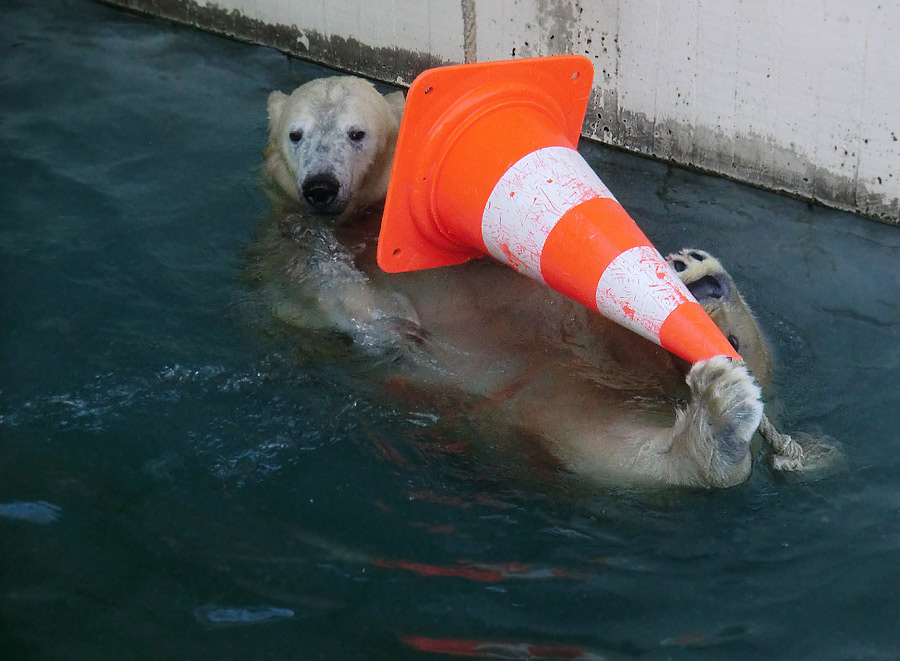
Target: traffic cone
(486, 165)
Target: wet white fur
(599, 397)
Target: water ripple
(39, 512)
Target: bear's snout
(320, 192)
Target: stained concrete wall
(794, 95)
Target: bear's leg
(725, 407)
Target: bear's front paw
(716, 292)
(713, 434)
(728, 402)
(703, 275)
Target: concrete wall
(794, 95)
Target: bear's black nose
(320, 191)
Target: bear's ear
(396, 101)
(275, 104)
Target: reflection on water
(218, 616)
(40, 512)
(175, 483)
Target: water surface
(176, 484)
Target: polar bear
(607, 404)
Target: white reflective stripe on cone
(639, 291)
(528, 201)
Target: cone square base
(439, 105)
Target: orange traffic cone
(486, 165)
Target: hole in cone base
(431, 121)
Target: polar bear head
(331, 144)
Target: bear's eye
(356, 134)
(296, 135)
(734, 342)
